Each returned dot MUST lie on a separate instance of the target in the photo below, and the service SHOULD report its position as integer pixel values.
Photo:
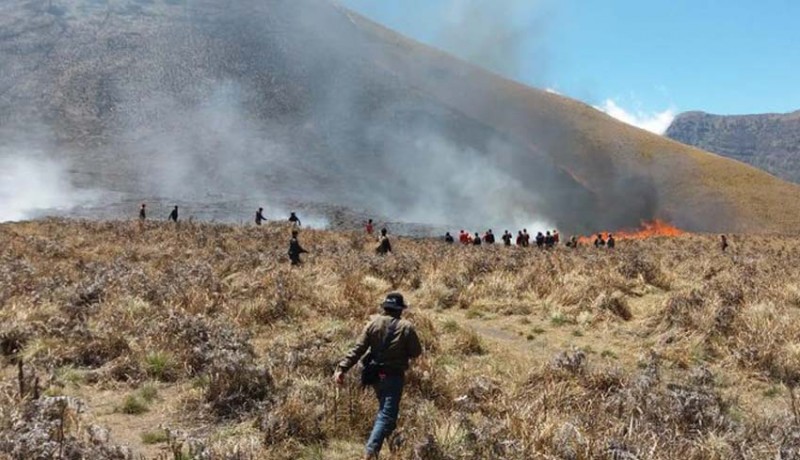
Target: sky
(641, 61)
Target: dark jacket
(403, 346)
(385, 246)
(173, 216)
(294, 248)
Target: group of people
(542, 240)
(173, 215)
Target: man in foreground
(392, 342)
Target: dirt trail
(538, 337)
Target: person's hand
(338, 377)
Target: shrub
(133, 405)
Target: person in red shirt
(370, 227)
(463, 238)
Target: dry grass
(661, 349)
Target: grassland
(201, 341)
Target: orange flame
(647, 230)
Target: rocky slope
(768, 141)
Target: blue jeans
(389, 391)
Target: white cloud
(655, 122)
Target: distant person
(548, 241)
(384, 245)
(599, 242)
(295, 220)
(295, 249)
(476, 241)
(539, 240)
(572, 242)
(507, 238)
(611, 243)
(370, 227)
(392, 342)
(526, 238)
(556, 238)
(520, 238)
(488, 238)
(448, 238)
(173, 216)
(723, 243)
(260, 216)
(142, 213)
(463, 237)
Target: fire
(647, 230)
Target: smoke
(504, 36)
(226, 106)
(655, 122)
(32, 184)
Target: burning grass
(663, 348)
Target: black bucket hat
(394, 301)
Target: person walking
(260, 216)
(507, 238)
(142, 213)
(295, 249)
(392, 342)
(369, 227)
(295, 220)
(173, 216)
(384, 245)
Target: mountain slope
(220, 105)
(767, 141)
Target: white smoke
(32, 184)
(655, 122)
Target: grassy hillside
(200, 341)
(226, 105)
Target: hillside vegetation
(228, 105)
(201, 341)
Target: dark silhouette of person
(477, 240)
(142, 213)
(526, 238)
(507, 238)
(599, 242)
(488, 238)
(295, 220)
(520, 238)
(370, 227)
(539, 240)
(448, 238)
(260, 216)
(384, 245)
(723, 242)
(295, 249)
(173, 216)
(611, 243)
(549, 241)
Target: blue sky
(640, 60)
